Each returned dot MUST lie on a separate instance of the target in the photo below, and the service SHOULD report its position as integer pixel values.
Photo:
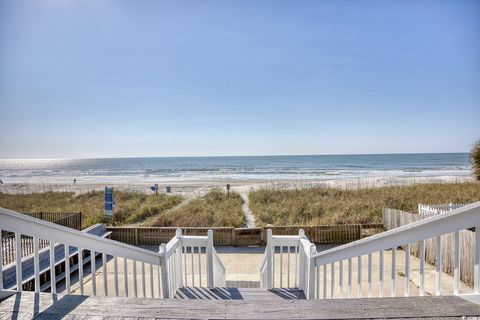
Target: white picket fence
(167, 268)
(321, 274)
(428, 210)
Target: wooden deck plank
(42, 306)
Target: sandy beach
(194, 188)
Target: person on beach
(74, 181)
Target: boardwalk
(28, 305)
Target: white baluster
(369, 275)
(407, 271)
(359, 276)
(324, 281)
(380, 276)
(115, 274)
(349, 277)
(340, 279)
(151, 282)
(394, 272)
(93, 268)
(200, 265)
(135, 282)
(438, 263)
(144, 289)
(80, 270)
(67, 267)
(288, 268)
(36, 265)
(53, 280)
(105, 275)
(456, 270)
(317, 291)
(332, 282)
(476, 279)
(422, 267)
(125, 277)
(18, 260)
(193, 268)
(281, 266)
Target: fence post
(270, 257)
(210, 282)
(178, 235)
(311, 272)
(164, 269)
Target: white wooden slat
(281, 266)
(456, 270)
(200, 265)
(407, 271)
(359, 277)
(93, 268)
(324, 281)
(438, 265)
(53, 280)
(115, 275)
(381, 275)
(135, 280)
(185, 264)
(332, 282)
(476, 280)
(193, 268)
(369, 275)
(105, 274)
(36, 264)
(296, 265)
(159, 280)
(273, 266)
(349, 278)
(67, 268)
(125, 276)
(393, 292)
(18, 260)
(152, 293)
(317, 291)
(340, 279)
(80, 270)
(288, 266)
(422, 268)
(144, 288)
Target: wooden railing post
(310, 294)
(164, 270)
(301, 260)
(210, 280)
(270, 256)
(178, 235)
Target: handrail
(458, 219)
(19, 223)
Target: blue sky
(185, 78)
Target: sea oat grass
(319, 206)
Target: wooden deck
(28, 305)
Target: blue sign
(109, 204)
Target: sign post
(108, 206)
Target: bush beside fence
(393, 218)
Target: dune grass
(130, 207)
(319, 206)
(214, 209)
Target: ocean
(319, 167)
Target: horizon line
(239, 156)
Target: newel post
(178, 235)
(311, 272)
(210, 282)
(270, 257)
(164, 270)
(301, 260)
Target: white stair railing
(167, 270)
(287, 262)
(191, 261)
(434, 227)
(428, 210)
(57, 235)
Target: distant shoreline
(196, 187)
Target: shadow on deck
(239, 294)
